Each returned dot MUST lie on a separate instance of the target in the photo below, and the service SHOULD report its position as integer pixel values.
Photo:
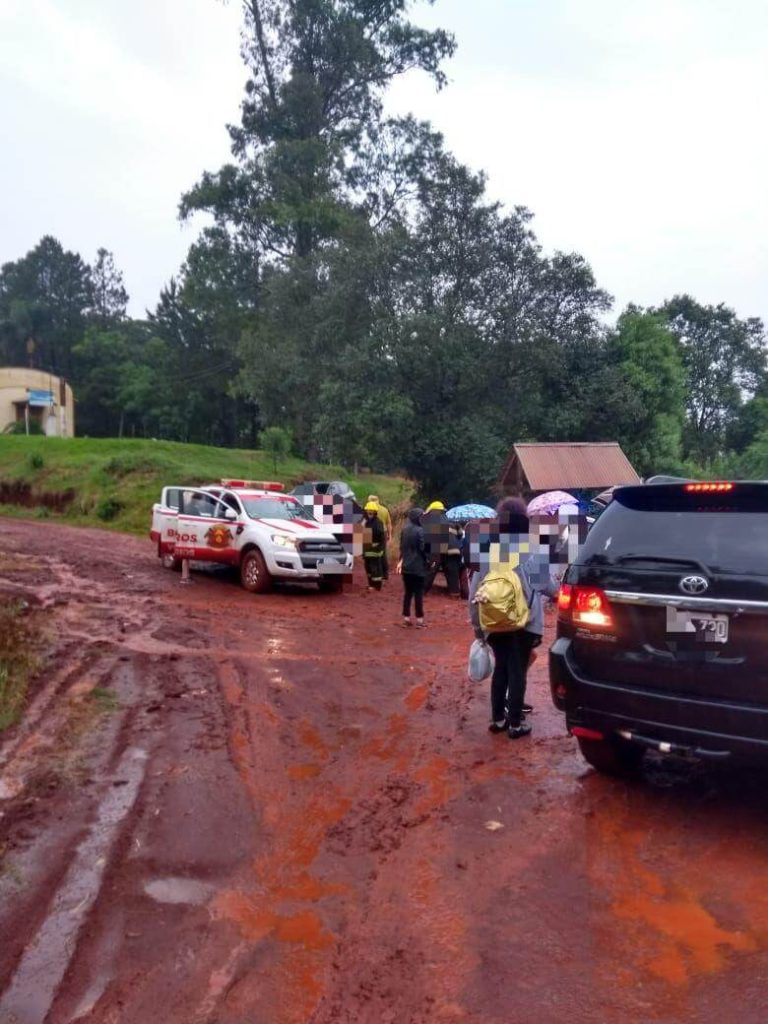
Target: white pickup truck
(252, 526)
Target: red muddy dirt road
(229, 809)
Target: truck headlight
(282, 541)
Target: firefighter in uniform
(374, 540)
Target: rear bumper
(690, 725)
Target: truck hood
(301, 529)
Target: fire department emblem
(219, 537)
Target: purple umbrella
(549, 503)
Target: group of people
(430, 543)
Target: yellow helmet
(371, 506)
(436, 506)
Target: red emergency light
(709, 488)
(254, 485)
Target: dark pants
(373, 570)
(512, 652)
(433, 568)
(452, 570)
(414, 589)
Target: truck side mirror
(230, 515)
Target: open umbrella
(463, 513)
(550, 503)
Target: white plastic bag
(480, 664)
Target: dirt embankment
(287, 809)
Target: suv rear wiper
(664, 561)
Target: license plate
(330, 567)
(707, 628)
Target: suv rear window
(658, 524)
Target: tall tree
(650, 424)
(318, 70)
(725, 362)
(110, 299)
(44, 298)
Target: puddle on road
(178, 891)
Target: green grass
(17, 660)
(116, 482)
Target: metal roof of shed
(570, 465)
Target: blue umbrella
(463, 513)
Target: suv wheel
(612, 756)
(254, 574)
(332, 585)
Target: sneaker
(406, 622)
(421, 623)
(516, 732)
(499, 726)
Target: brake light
(590, 607)
(564, 597)
(709, 488)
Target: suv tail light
(584, 606)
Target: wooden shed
(566, 466)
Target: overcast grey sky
(634, 130)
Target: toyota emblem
(693, 584)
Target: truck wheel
(332, 585)
(170, 561)
(612, 756)
(254, 574)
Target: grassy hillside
(116, 482)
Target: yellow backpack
(501, 601)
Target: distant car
(662, 626)
(323, 487)
(266, 534)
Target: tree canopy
(356, 290)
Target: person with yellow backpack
(506, 610)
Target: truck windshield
(273, 508)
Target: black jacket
(412, 550)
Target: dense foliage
(356, 288)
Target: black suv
(662, 637)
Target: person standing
(435, 523)
(413, 566)
(374, 541)
(451, 561)
(386, 520)
(513, 647)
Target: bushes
(109, 508)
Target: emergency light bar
(254, 485)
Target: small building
(566, 466)
(33, 397)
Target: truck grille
(320, 547)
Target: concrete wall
(59, 421)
